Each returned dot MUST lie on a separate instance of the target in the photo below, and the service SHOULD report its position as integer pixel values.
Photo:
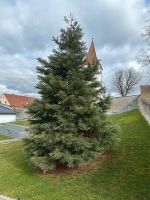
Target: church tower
(92, 59)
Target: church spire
(91, 56)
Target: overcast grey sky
(27, 26)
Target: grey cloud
(111, 22)
(110, 56)
(26, 28)
(17, 73)
(28, 25)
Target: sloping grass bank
(21, 123)
(124, 176)
(2, 137)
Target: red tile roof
(18, 101)
(91, 56)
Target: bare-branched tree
(124, 81)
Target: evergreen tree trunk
(69, 125)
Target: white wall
(3, 100)
(7, 118)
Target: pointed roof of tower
(91, 56)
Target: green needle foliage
(68, 125)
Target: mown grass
(124, 176)
(22, 123)
(2, 137)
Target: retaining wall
(144, 108)
(123, 104)
(13, 131)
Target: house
(16, 101)
(7, 114)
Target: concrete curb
(5, 198)
(8, 141)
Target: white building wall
(3, 100)
(99, 77)
(7, 118)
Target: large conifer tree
(69, 125)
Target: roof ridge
(18, 95)
(18, 101)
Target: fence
(13, 131)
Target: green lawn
(22, 123)
(124, 176)
(2, 137)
